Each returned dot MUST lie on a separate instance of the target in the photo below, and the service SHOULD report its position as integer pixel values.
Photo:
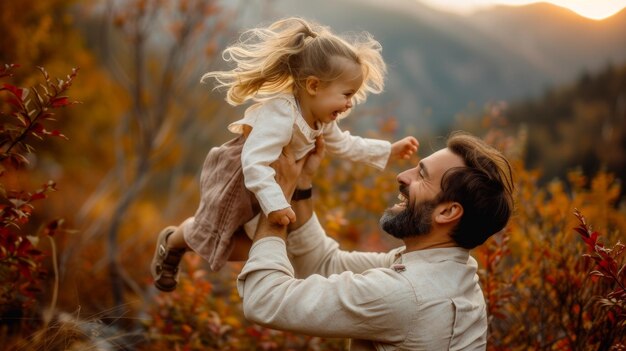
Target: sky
(594, 9)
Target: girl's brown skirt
(225, 204)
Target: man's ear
(448, 212)
(312, 84)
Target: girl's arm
(272, 130)
(373, 152)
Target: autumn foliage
(130, 166)
(541, 286)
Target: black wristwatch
(302, 194)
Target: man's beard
(412, 221)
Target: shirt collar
(304, 127)
(456, 254)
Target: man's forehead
(442, 160)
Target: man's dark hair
(484, 187)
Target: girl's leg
(176, 240)
(170, 248)
(243, 240)
(242, 246)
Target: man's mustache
(404, 190)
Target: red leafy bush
(24, 116)
(609, 266)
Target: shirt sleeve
(371, 305)
(271, 132)
(312, 252)
(372, 152)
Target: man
(422, 296)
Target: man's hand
(312, 163)
(304, 208)
(290, 173)
(287, 173)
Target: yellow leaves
(350, 199)
(361, 194)
(606, 186)
(560, 204)
(334, 221)
(577, 179)
(233, 321)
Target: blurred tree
(153, 49)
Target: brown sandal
(164, 267)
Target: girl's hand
(404, 148)
(282, 217)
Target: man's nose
(405, 177)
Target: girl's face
(331, 99)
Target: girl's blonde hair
(280, 57)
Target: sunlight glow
(594, 9)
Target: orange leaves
(204, 313)
(496, 286)
(186, 318)
(539, 292)
(550, 300)
(350, 199)
(335, 222)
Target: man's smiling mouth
(403, 200)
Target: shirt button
(398, 267)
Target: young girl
(303, 78)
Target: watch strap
(302, 194)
